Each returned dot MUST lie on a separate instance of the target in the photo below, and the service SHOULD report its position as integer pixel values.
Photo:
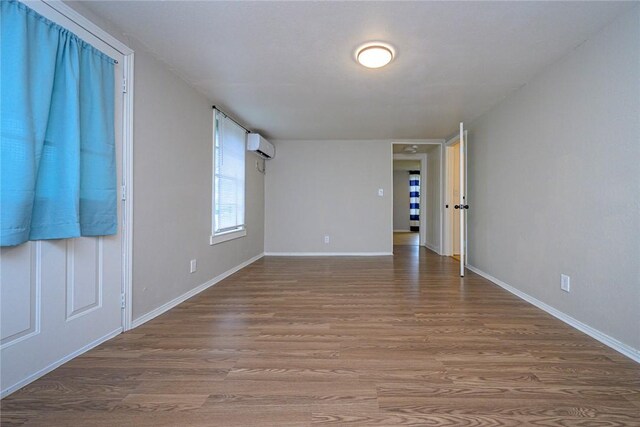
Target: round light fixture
(374, 55)
(411, 149)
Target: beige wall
(318, 188)
(554, 179)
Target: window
(229, 142)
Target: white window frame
(237, 232)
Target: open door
(462, 202)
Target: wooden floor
(367, 341)
(402, 238)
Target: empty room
(300, 213)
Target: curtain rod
(232, 119)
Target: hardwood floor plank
(620, 411)
(161, 402)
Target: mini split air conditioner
(260, 146)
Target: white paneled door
(60, 297)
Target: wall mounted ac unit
(260, 146)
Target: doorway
(455, 218)
(425, 159)
(407, 203)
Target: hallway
(406, 238)
(292, 341)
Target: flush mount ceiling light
(411, 149)
(374, 54)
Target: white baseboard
(630, 352)
(404, 231)
(169, 305)
(328, 253)
(7, 391)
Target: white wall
(172, 184)
(318, 188)
(554, 179)
(401, 200)
(433, 206)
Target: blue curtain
(414, 200)
(57, 153)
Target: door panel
(19, 293)
(84, 275)
(61, 297)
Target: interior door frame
(126, 192)
(423, 179)
(447, 224)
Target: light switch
(380, 192)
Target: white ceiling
(406, 165)
(287, 68)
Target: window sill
(224, 237)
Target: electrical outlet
(326, 239)
(193, 266)
(380, 192)
(565, 283)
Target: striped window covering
(414, 200)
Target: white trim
(7, 391)
(174, 302)
(328, 254)
(403, 231)
(127, 153)
(630, 352)
(225, 237)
